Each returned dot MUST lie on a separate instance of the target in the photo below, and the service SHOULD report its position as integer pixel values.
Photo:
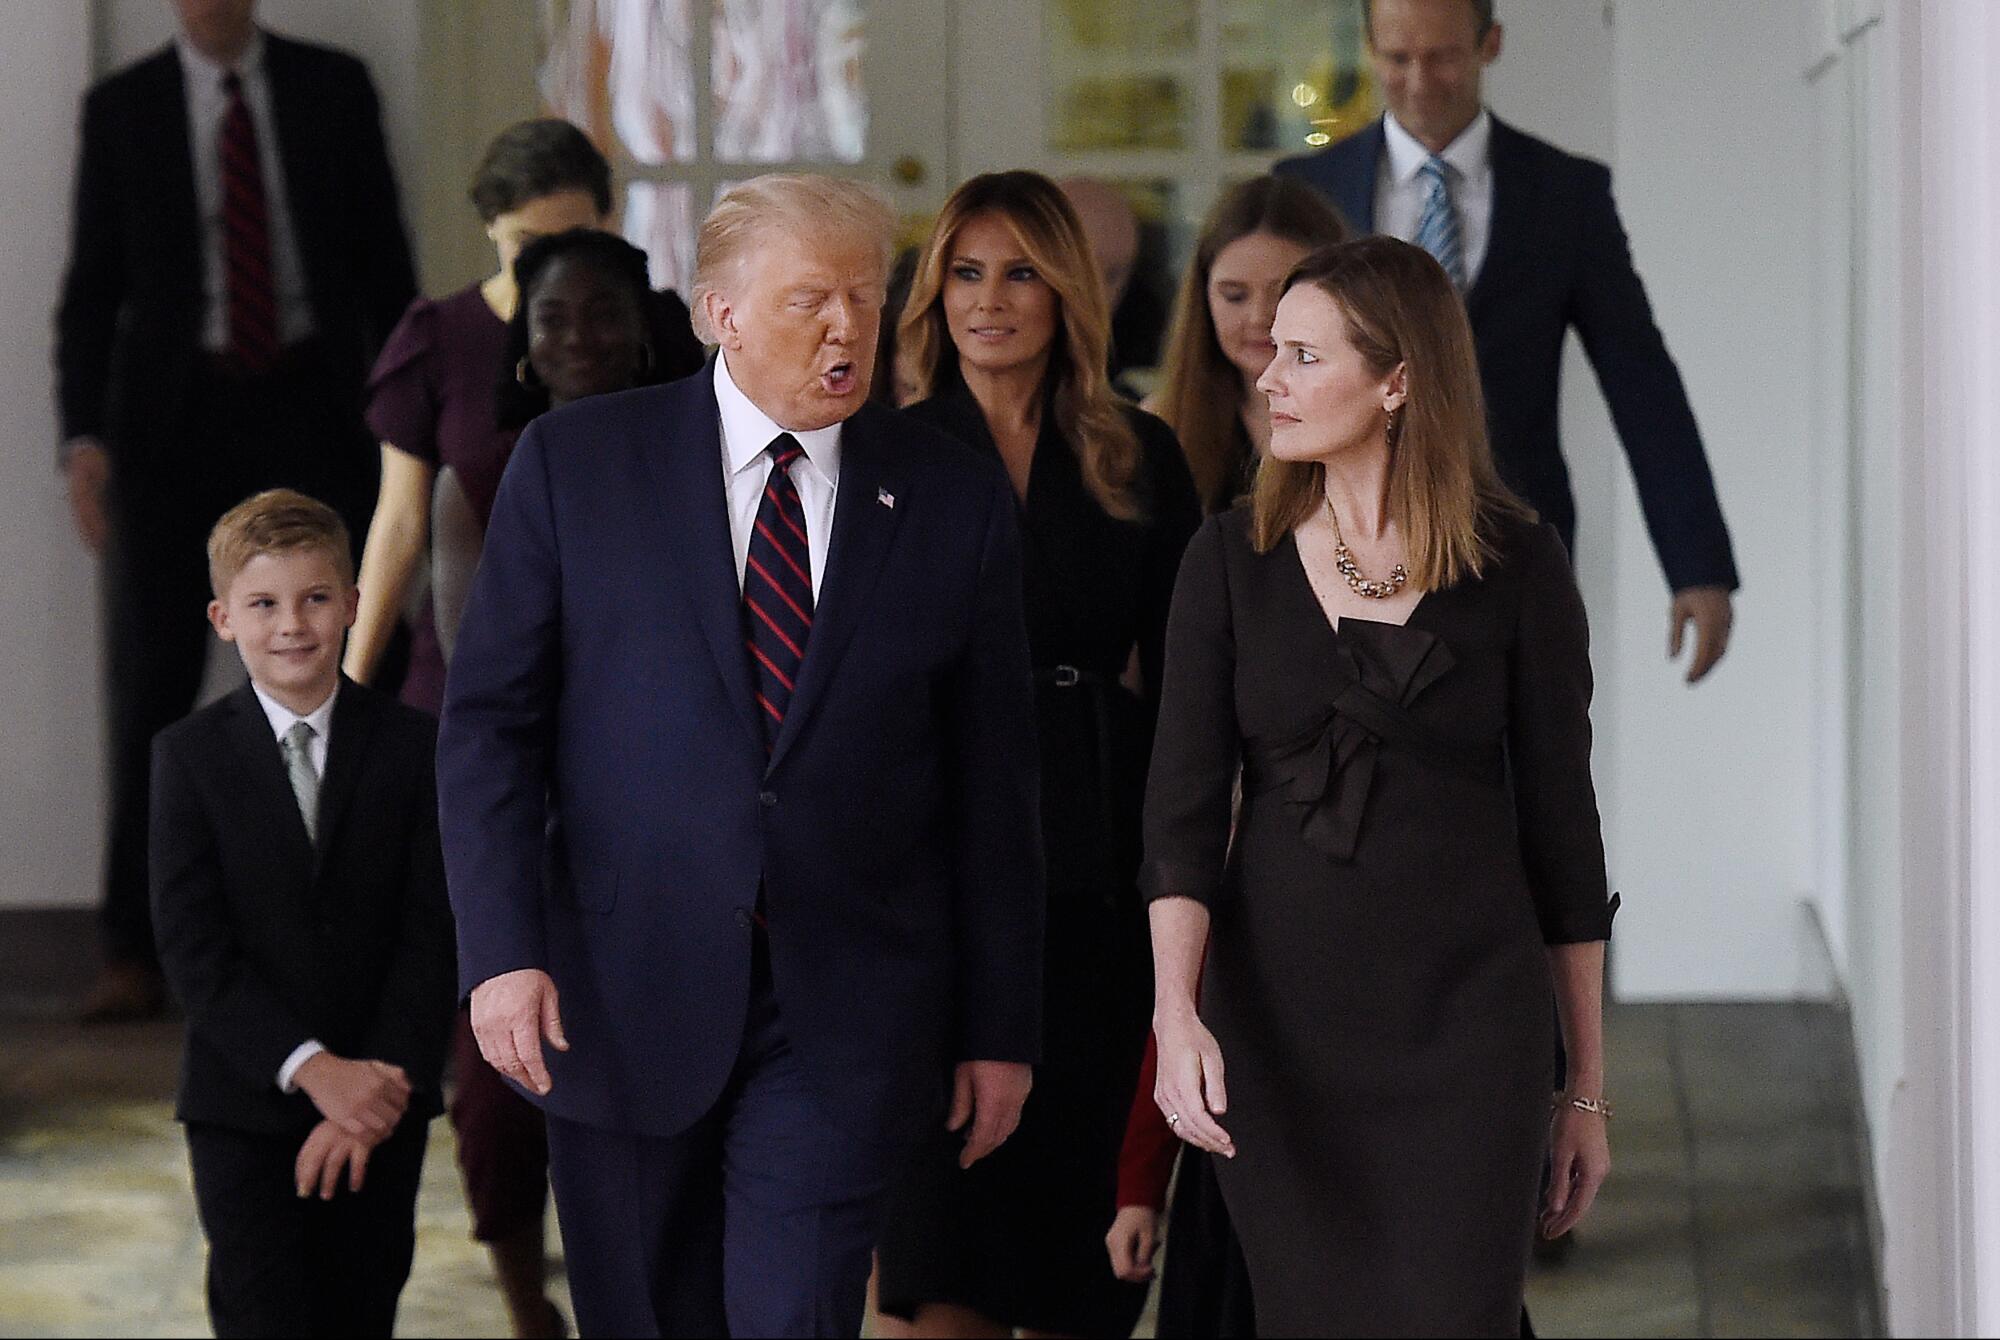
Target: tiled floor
(1734, 1208)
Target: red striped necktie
(777, 589)
(246, 238)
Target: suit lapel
(863, 526)
(292, 114)
(686, 461)
(172, 155)
(273, 809)
(1514, 191)
(353, 722)
(1354, 190)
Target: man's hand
(1710, 610)
(1134, 1237)
(989, 1095)
(327, 1152)
(365, 1099)
(89, 472)
(511, 1014)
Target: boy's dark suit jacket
(892, 834)
(269, 942)
(128, 331)
(1558, 258)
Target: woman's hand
(1190, 1088)
(1579, 1161)
(1134, 1237)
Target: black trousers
(293, 427)
(279, 1265)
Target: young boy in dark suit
(298, 896)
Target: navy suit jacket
(1557, 258)
(598, 721)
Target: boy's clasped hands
(360, 1103)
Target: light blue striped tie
(1437, 230)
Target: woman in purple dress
(431, 403)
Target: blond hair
(800, 204)
(276, 521)
(1079, 393)
(1445, 495)
(1200, 390)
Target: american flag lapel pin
(886, 498)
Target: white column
(51, 741)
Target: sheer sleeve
(1548, 749)
(1198, 747)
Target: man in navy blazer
(1533, 236)
(738, 795)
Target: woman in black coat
(1004, 338)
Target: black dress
(1020, 1237)
(1418, 822)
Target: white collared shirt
(1400, 188)
(746, 432)
(207, 103)
(282, 719)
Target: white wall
(1706, 791)
(51, 735)
(51, 810)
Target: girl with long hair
(1220, 338)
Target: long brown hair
(1079, 391)
(1200, 390)
(1444, 492)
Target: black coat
(269, 942)
(1558, 259)
(128, 330)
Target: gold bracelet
(1594, 1106)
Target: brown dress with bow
(1418, 822)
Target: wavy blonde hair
(1200, 390)
(1078, 392)
(1444, 493)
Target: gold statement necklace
(1343, 559)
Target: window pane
(1119, 73)
(1294, 73)
(659, 219)
(623, 70)
(787, 81)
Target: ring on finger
(1173, 1118)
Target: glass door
(691, 96)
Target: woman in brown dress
(1394, 652)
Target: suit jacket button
(768, 799)
(743, 917)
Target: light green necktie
(305, 782)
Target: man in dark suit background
(237, 256)
(1532, 236)
(745, 671)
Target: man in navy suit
(738, 795)
(1533, 238)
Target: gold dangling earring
(524, 372)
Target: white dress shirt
(207, 103)
(746, 432)
(282, 719)
(1400, 188)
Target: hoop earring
(524, 373)
(645, 359)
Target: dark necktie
(777, 589)
(246, 238)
